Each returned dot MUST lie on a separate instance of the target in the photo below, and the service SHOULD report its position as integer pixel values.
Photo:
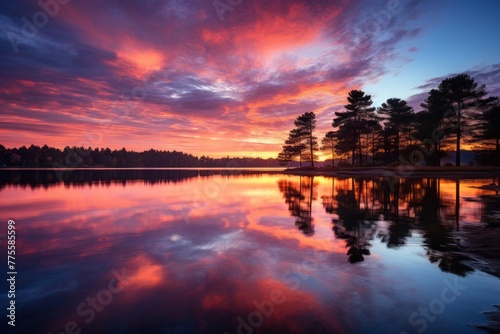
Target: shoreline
(401, 172)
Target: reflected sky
(230, 254)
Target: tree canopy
(458, 110)
(301, 142)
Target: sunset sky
(224, 77)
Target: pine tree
(301, 142)
(464, 96)
(328, 144)
(355, 120)
(399, 116)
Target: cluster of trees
(457, 112)
(45, 156)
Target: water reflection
(90, 177)
(353, 223)
(200, 252)
(363, 208)
(299, 197)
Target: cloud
(488, 75)
(173, 69)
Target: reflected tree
(438, 238)
(491, 205)
(353, 224)
(328, 201)
(400, 222)
(299, 197)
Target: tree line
(71, 157)
(457, 112)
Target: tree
(294, 147)
(285, 156)
(295, 144)
(488, 134)
(489, 126)
(430, 126)
(355, 119)
(305, 125)
(345, 143)
(464, 95)
(375, 131)
(399, 116)
(301, 142)
(328, 144)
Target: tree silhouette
(294, 147)
(328, 144)
(345, 143)
(301, 142)
(430, 126)
(490, 126)
(355, 119)
(74, 157)
(488, 134)
(285, 156)
(305, 125)
(463, 94)
(399, 116)
(374, 136)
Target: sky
(224, 77)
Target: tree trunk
(360, 151)
(457, 204)
(438, 155)
(397, 143)
(367, 141)
(373, 149)
(311, 149)
(459, 134)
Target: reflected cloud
(198, 275)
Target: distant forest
(457, 112)
(74, 157)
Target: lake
(189, 251)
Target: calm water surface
(189, 252)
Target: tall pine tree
(355, 121)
